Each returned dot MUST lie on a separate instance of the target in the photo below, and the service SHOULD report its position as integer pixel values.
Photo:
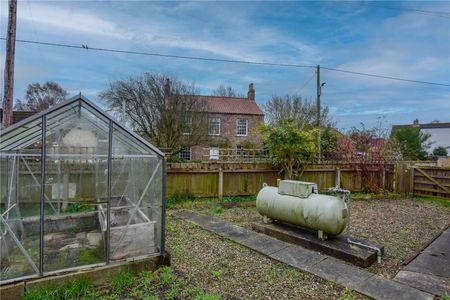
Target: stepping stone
(381, 288)
(298, 257)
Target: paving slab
(298, 257)
(430, 270)
(433, 284)
(335, 270)
(334, 246)
(379, 287)
(309, 261)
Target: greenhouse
(77, 190)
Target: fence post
(337, 179)
(383, 177)
(220, 190)
(411, 179)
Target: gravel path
(402, 226)
(235, 272)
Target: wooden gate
(430, 181)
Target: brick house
(233, 123)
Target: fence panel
(431, 181)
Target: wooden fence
(427, 180)
(215, 179)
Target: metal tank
(298, 203)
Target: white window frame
(246, 127)
(210, 120)
(190, 153)
(187, 125)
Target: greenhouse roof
(28, 131)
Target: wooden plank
(433, 180)
(430, 190)
(428, 183)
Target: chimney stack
(251, 92)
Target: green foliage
(208, 296)
(347, 295)
(226, 144)
(434, 200)
(289, 146)
(446, 296)
(77, 207)
(239, 199)
(121, 280)
(440, 151)
(413, 143)
(91, 255)
(179, 198)
(329, 140)
(166, 275)
(248, 145)
(218, 210)
(216, 274)
(78, 289)
(161, 284)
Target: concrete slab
(263, 244)
(334, 246)
(298, 257)
(430, 270)
(430, 263)
(339, 272)
(428, 283)
(381, 288)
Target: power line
(85, 47)
(306, 83)
(445, 15)
(384, 76)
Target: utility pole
(319, 87)
(9, 64)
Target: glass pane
(136, 198)
(20, 211)
(75, 189)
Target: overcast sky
(400, 39)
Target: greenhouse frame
(77, 190)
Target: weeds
(216, 274)
(208, 296)
(218, 210)
(347, 295)
(78, 289)
(121, 281)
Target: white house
(440, 133)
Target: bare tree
(226, 91)
(39, 97)
(303, 112)
(161, 108)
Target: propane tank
(298, 203)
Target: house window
(185, 153)
(238, 150)
(242, 127)
(214, 126)
(187, 126)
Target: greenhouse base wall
(96, 275)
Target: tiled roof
(425, 126)
(231, 105)
(18, 115)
